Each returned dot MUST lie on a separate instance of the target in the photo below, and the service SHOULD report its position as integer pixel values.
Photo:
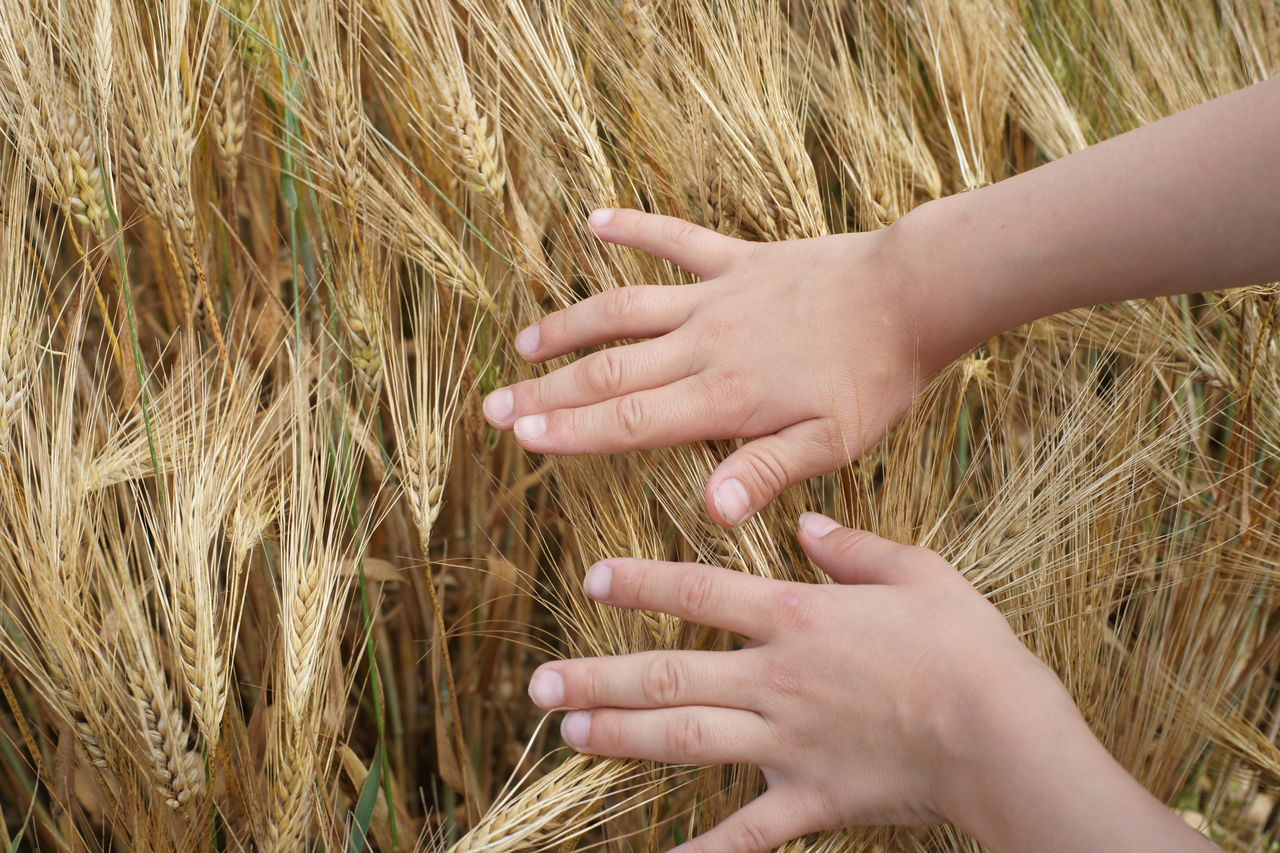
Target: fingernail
(498, 405)
(546, 688)
(527, 340)
(575, 727)
(530, 427)
(732, 501)
(601, 217)
(816, 524)
(598, 580)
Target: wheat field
(268, 580)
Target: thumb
(757, 472)
(851, 556)
(701, 251)
(766, 822)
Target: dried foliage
(266, 579)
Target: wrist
(998, 743)
(1025, 772)
(946, 308)
(959, 275)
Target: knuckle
(695, 594)
(603, 373)
(585, 687)
(769, 469)
(641, 585)
(678, 230)
(620, 304)
(755, 837)
(530, 395)
(686, 736)
(850, 543)
(579, 422)
(632, 416)
(748, 837)
(606, 731)
(663, 681)
(724, 389)
(796, 608)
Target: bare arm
(760, 347)
(897, 695)
(1185, 204)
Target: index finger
(701, 251)
(706, 595)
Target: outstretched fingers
(684, 411)
(707, 595)
(657, 679)
(701, 251)
(639, 311)
(594, 378)
(689, 735)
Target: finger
(767, 822)
(646, 680)
(678, 413)
(640, 311)
(706, 595)
(600, 376)
(689, 735)
(757, 472)
(701, 251)
(852, 556)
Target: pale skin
(897, 695)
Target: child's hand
(897, 696)
(864, 702)
(814, 347)
(806, 345)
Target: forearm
(1186, 204)
(1037, 779)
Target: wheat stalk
(313, 588)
